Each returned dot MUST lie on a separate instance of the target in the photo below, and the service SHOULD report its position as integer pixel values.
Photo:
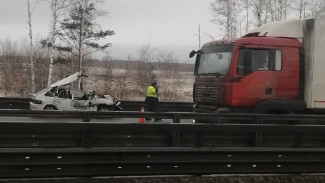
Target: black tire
(104, 108)
(50, 108)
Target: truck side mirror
(193, 53)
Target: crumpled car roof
(67, 80)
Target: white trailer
(313, 42)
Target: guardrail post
(86, 138)
(298, 136)
(258, 135)
(86, 117)
(175, 139)
(176, 118)
(298, 139)
(199, 138)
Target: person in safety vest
(152, 98)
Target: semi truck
(278, 67)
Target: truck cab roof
(262, 41)
(291, 28)
(220, 42)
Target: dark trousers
(151, 104)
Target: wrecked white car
(62, 96)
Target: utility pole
(199, 36)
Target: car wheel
(104, 108)
(50, 107)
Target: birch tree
(258, 6)
(225, 15)
(278, 9)
(144, 70)
(300, 7)
(247, 6)
(57, 8)
(317, 9)
(80, 33)
(31, 47)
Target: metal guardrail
(156, 161)
(162, 107)
(86, 116)
(236, 143)
(23, 103)
(14, 103)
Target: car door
(79, 100)
(62, 101)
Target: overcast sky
(165, 24)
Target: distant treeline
(123, 64)
(15, 80)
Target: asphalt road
(184, 179)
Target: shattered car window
(50, 93)
(78, 94)
(62, 93)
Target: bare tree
(8, 51)
(31, 47)
(146, 55)
(247, 6)
(14, 74)
(317, 9)
(57, 8)
(167, 59)
(170, 76)
(258, 11)
(225, 15)
(41, 66)
(80, 34)
(302, 9)
(279, 9)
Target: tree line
(234, 18)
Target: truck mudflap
(284, 105)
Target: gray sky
(166, 24)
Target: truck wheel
(104, 108)
(50, 107)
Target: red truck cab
(249, 74)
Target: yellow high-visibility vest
(151, 92)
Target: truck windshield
(214, 60)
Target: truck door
(256, 67)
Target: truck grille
(206, 94)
